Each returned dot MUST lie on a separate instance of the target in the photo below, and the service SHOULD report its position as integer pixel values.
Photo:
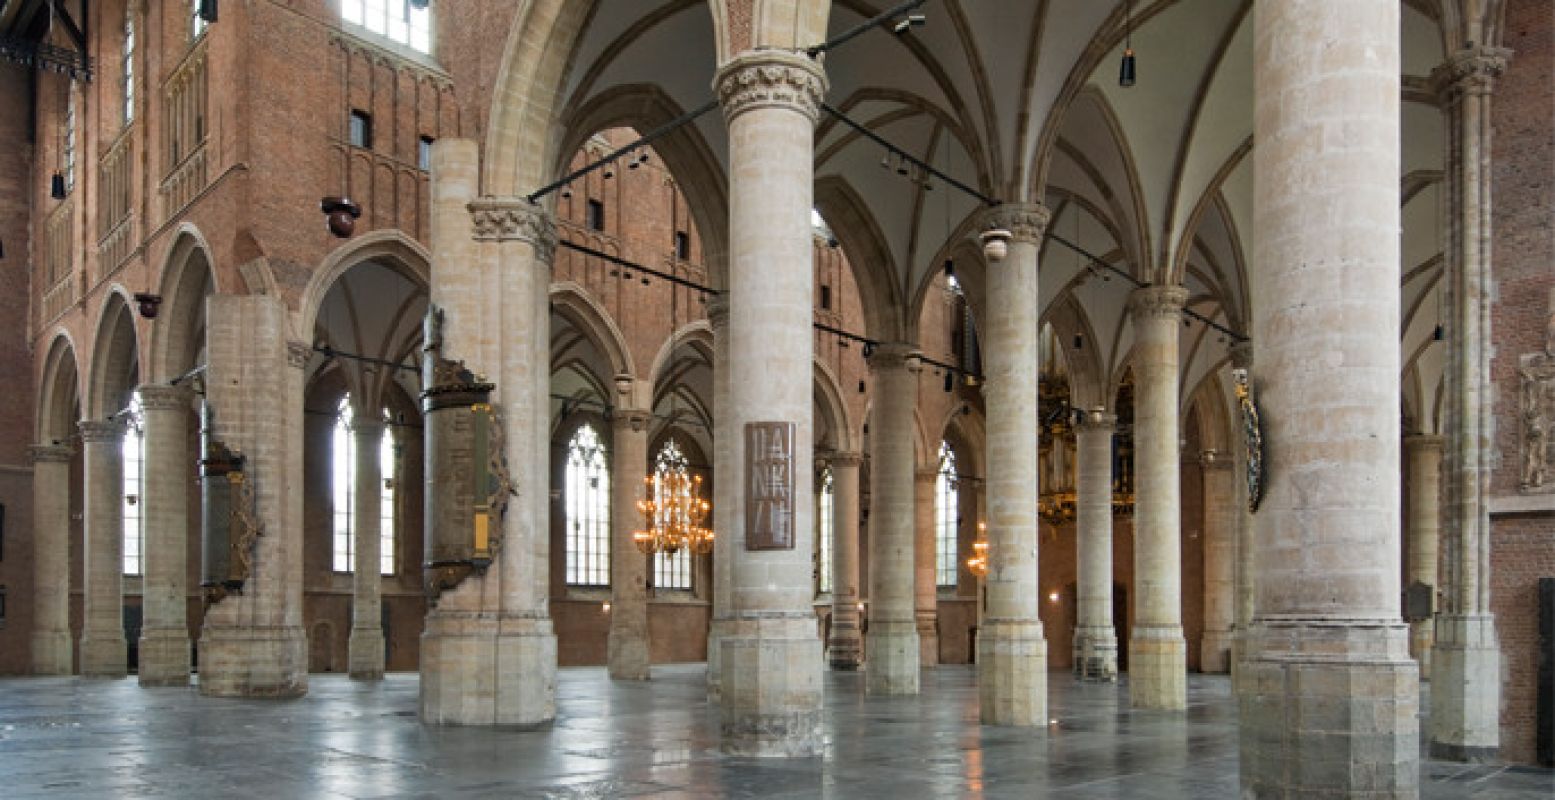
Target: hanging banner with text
(769, 485)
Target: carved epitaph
(769, 485)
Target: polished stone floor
(62, 737)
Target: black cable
(862, 27)
(900, 153)
(656, 133)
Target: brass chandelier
(674, 515)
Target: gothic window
(397, 20)
(129, 66)
(134, 495)
(823, 527)
(70, 138)
(197, 23)
(587, 494)
(670, 571)
(946, 517)
(343, 495)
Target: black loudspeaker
(1545, 719)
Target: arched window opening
(397, 20)
(587, 491)
(134, 495)
(946, 517)
(823, 537)
(197, 23)
(129, 65)
(670, 570)
(343, 495)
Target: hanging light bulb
(1126, 69)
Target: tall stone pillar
(1424, 457)
(1158, 653)
(366, 653)
(771, 665)
(103, 646)
(1011, 649)
(1466, 657)
(894, 650)
(252, 642)
(1330, 695)
(846, 645)
(1220, 522)
(627, 644)
(165, 489)
(51, 643)
(1242, 575)
(925, 568)
(726, 493)
(1095, 639)
(488, 652)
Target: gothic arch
(579, 308)
(59, 396)
(188, 277)
(114, 367)
(390, 247)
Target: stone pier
(366, 652)
(845, 647)
(925, 567)
(626, 646)
(1220, 522)
(168, 477)
(51, 644)
(1329, 701)
(726, 494)
(1423, 454)
(894, 648)
(1095, 639)
(103, 646)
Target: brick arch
(188, 277)
(114, 368)
(59, 391)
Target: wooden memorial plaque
(769, 485)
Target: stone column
(726, 493)
(103, 647)
(1011, 649)
(1424, 456)
(1241, 358)
(894, 649)
(165, 490)
(1220, 522)
(846, 645)
(51, 643)
(627, 645)
(1158, 653)
(1330, 696)
(925, 568)
(1095, 640)
(1466, 657)
(488, 653)
(771, 665)
(366, 653)
(252, 643)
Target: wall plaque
(769, 485)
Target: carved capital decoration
(1536, 422)
(846, 459)
(896, 355)
(1157, 301)
(501, 219)
(635, 419)
(1025, 222)
(101, 431)
(770, 79)
(718, 312)
(161, 397)
(297, 354)
(56, 453)
(1470, 71)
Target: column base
(627, 655)
(485, 669)
(1238, 659)
(1466, 689)
(1329, 710)
(1422, 635)
(51, 653)
(771, 698)
(1096, 654)
(895, 657)
(253, 661)
(717, 630)
(104, 655)
(1158, 668)
(845, 649)
(928, 638)
(1215, 652)
(1012, 673)
(164, 657)
(366, 654)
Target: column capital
(369, 428)
(1423, 441)
(162, 397)
(1157, 301)
(504, 219)
(297, 354)
(718, 311)
(847, 459)
(1472, 70)
(636, 419)
(1097, 420)
(896, 355)
(1020, 222)
(1241, 354)
(103, 431)
(770, 79)
(45, 453)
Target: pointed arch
(574, 304)
(390, 247)
(115, 362)
(60, 403)
(834, 410)
(869, 257)
(188, 277)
